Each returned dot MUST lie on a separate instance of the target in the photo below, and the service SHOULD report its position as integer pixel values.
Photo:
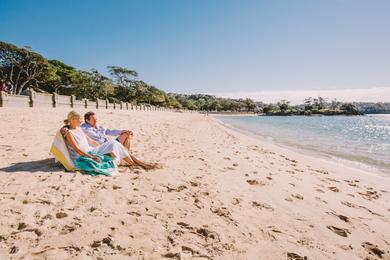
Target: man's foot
(151, 166)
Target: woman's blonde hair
(71, 115)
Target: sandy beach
(220, 195)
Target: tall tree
(123, 77)
(65, 75)
(22, 66)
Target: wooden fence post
(32, 97)
(55, 98)
(72, 100)
(3, 97)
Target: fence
(35, 99)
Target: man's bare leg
(145, 165)
(124, 139)
(129, 161)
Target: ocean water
(363, 141)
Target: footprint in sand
(172, 255)
(198, 203)
(305, 242)
(331, 179)
(237, 201)
(322, 171)
(334, 189)
(61, 215)
(14, 250)
(294, 256)
(252, 182)
(374, 250)
(297, 196)
(194, 183)
(342, 217)
(69, 228)
(369, 195)
(188, 252)
(21, 226)
(323, 201)
(352, 183)
(351, 205)
(208, 234)
(177, 189)
(262, 205)
(256, 182)
(223, 212)
(339, 231)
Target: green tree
(334, 104)
(308, 103)
(250, 105)
(123, 77)
(65, 75)
(268, 108)
(82, 85)
(22, 67)
(350, 109)
(284, 105)
(215, 105)
(101, 86)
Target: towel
(88, 165)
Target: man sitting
(99, 133)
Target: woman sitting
(80, 145)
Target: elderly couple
(88, 142)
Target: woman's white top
(109, 147)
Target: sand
(220, 195)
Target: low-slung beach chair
(61, 152)
(62, 155)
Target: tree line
(25, 68)
(373, 108)
(322, 106)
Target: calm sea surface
(360, 140)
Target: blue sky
(215, 46)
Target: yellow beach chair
(62, 155)
(61, 152)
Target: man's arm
(114, 132)
(92, 134)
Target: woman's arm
(69, 138)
